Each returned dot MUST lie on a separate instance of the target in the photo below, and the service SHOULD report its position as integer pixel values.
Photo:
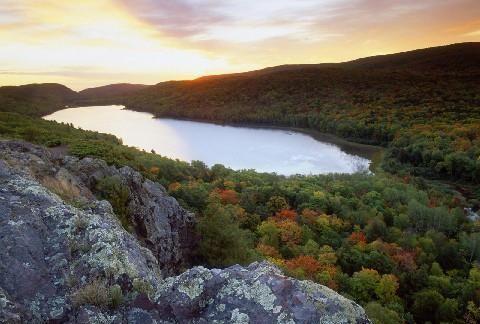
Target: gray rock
(49, 249)
(158, 220)
(259, 293)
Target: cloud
(177, 18)
(149, 41)
(252, 20)
(230, 21)
(474, 33)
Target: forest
(402, 241)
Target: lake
(263, 149)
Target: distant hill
(106, 93)
(455, 58)
(44, 98)
(35, 99)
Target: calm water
(265, 150)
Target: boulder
(259, 293)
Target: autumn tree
(304, 266)
(228, 196)
(387, 288)
(286, 214)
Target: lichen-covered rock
(158, 221)
(259, 293)
(48, 249)
(61, 263)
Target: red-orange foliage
(405, 260)
(286, 214)
(308, 264)
(290, 231)
(357, 238)
(228, 196)
(174, 186)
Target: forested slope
(35, 99)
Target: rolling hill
(35, 99)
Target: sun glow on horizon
(94, 39)
(91, 43)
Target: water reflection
(265, 150)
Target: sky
(87, 43)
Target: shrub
(118, 194)
(94, 293)
(142, 286)
(97, 293)
(116, 296)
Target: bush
(94, 293)
(382, 315)
(113, 190)
(97, 293)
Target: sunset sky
(95, 42)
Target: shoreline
(371, 152)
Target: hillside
(433, 78)
(455, 58)
(108, 92)
(35, 99)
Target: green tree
(118, 194)
(426, 305)
(382, 315)
(223, 242)
(363, 285)
(277, 203)
(269, 234)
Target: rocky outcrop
(259, 293)
(49, 249)
(65, 256)
(156, 219)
